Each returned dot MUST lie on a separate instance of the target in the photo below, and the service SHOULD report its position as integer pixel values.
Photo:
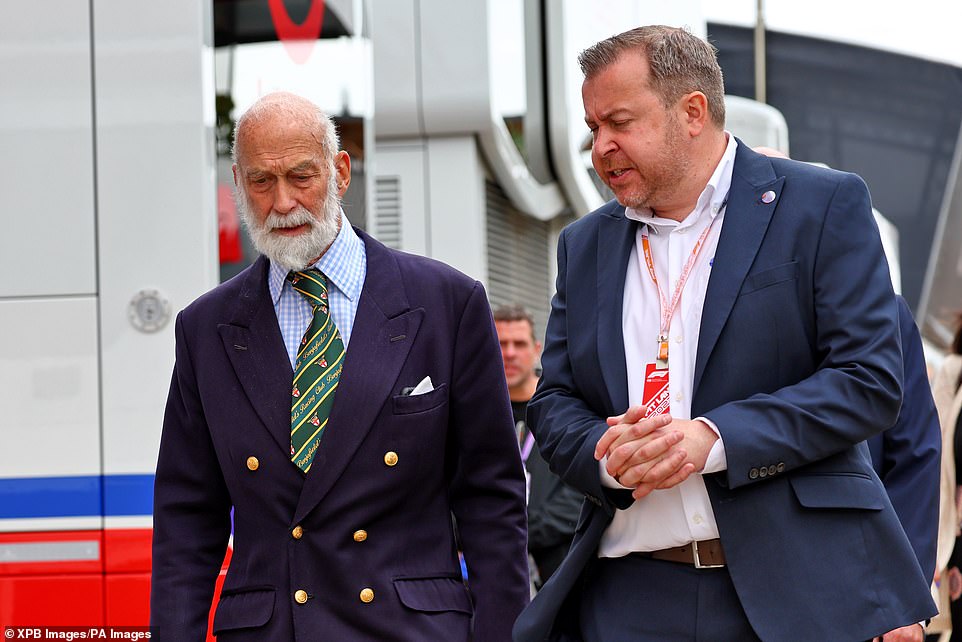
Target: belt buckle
(698, 564)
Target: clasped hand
(654, 453)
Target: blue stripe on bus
(128, 495)
(84, 496)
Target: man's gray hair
(679, 61)
(295, 109)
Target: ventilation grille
(387, 210)
(518, 269)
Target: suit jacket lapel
(743, 230)
(616, 236)
(255, 348)
(383, 333)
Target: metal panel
(46, 168)
(405, 162)
(455, 176)
(518, 257)
(454, 72)
(48, 388)
(395, 30)
(50, 551)
(387, 222)
(157, 208)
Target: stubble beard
(293, 253)
(663, 177)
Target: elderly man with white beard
(331, 408)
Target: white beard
(293, 253)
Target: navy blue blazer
(907, 456)
(368, 519)
(798, 363)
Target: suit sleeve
(487, 491)
(567, 429)
(855, 390)
(191, 512)
(911, 451)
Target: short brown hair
(679, 61)
(515, 312)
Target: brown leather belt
(704, 554)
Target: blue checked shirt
(345, 266)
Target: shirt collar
(339, 264)
(712, 198)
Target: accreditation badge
(655, 395)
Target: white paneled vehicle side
(106, 123)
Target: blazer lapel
(616, 235)
(383, 333)
(255, 348)
(746, 221)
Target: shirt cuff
(717, 459)
(606, 479)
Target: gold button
(300, 597)
(298, 532)
(367, 595)
(360, 536)
(390, 458)
(252, 463)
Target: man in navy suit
(345, 535)
(723, 340)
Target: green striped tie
(316, 370)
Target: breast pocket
(411, 404)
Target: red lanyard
(668, 308)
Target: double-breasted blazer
(362, 547)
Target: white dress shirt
(679, 515)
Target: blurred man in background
(553, 506)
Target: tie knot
(311, 284)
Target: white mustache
(298, 217)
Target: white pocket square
(424, 386)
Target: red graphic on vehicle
(298, 39)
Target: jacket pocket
(771, 276)
(408, 404)
(433, 594)
(851, 490)
(244, 608)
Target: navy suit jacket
(798, 363)
(907, 456)
(456, 454)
